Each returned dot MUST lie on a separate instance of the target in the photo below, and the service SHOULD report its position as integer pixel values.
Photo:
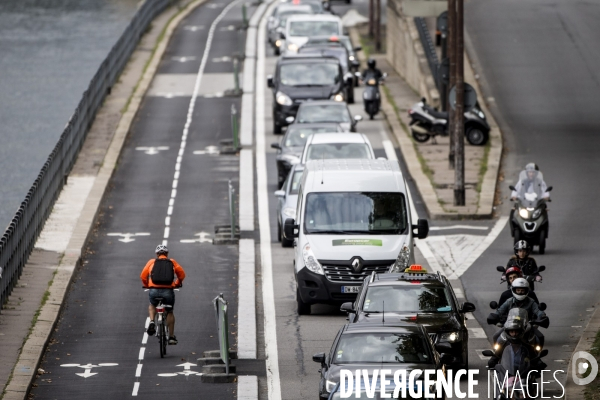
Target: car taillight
(160, 309)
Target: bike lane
(158, 193)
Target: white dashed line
(136, 387)
(145, 338)
(142, 352)
(476, 333)
(138, 371)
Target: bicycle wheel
(161, 337)
(164, 340)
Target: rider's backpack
(163, 272)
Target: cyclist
(161, 275)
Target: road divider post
(236, 77)
(244, 16)
(222, 326)
(232, 210)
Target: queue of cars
(347, 214)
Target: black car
(369, 346)
(341, 54)
(339, 41)
(418, 297)
(315, 112)
(292, 144)
(300, 78)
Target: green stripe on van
(357, 242)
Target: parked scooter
(529, 218)
(371, 95)
(426, 122)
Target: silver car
(277, 21)
(287, 198)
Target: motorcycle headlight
(351, 58)
(278, 43)
(450, 337)
(289, 212)
(310, 261)
(524, 213)
(290, 159)
(329, 386)
(402, 261)
(283, 99)
(372, 82)
(536, 214)
(480, 114)
(337, 97)
(293, 47)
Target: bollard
(236, 76)
(244, 17)
(232, 209)
(241, 44)
(234, 128)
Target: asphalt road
(49, 52)
(106, 309)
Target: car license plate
(350, 289)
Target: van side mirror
(541, 268)
(549, 189)
(358, 48)
(487, 353)
(279, 193)
(289, 119)
(511, 187)
(347, 307)
(270, 82)
(289, 229)
(319, 358)
(467, 307)
(443, 347)
(422, 228)
(276, 146)
(500, 268)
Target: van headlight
(536, 214)
(402, 261)
(524, 213)
(310, 261)
(329, 386)
(293, 47)
(337, 97)
(450, 337)
(283, 99)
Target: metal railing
(429, 48)
(19, 238)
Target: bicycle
(161, 325)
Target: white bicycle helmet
(161, 249)
(520, 283)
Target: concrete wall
(405, 53)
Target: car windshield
(381, 348)
(407, 298)
(283, 16)
(296, 182)
(297, 135)
(313, 28)
(337, 151)
(310, 74)
(338, 53)
(372, 213)
(323, 113)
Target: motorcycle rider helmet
(520, 289)
(522, 245)
(516, 321)
(371, 63)
(513, 270)
(532, 167)
(161, 249)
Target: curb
(33, 349)
(398, 126)
(586, 340)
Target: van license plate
(350, 289)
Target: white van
(301, 27)
(353, 218)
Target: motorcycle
(534, 277)
(537, 339)
(529, 217)
(371, 95)
(426, 122)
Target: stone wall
(405, 53)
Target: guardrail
(19, 238)
(429, 48)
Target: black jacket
(507, 294)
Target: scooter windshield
(530, 187)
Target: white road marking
(168, 374)
(142, 351)
(183, 59)
(227, 28)
(136, 387)
(152, 150)
(147, 324)
(443, 228)
(145, 338)
(208, 150)
(272, 359)
(88, 368)
(246, 197)
(138, 370)
(476, 333)
(203, 237)
(246, 300)
(128, 237)
(247, 387)
(187, 365)
(221, 59)
(193, 28)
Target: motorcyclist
(372, 71)
(522, 260)
(520, 290)
(530, 182)
(511, 274)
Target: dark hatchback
(419, 298)
(290, 149)
(301, 78)
(377, 346)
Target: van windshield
(373, 213)
(314, 28)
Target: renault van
(353, 218)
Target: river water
(49, 52)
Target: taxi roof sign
(415, 269)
